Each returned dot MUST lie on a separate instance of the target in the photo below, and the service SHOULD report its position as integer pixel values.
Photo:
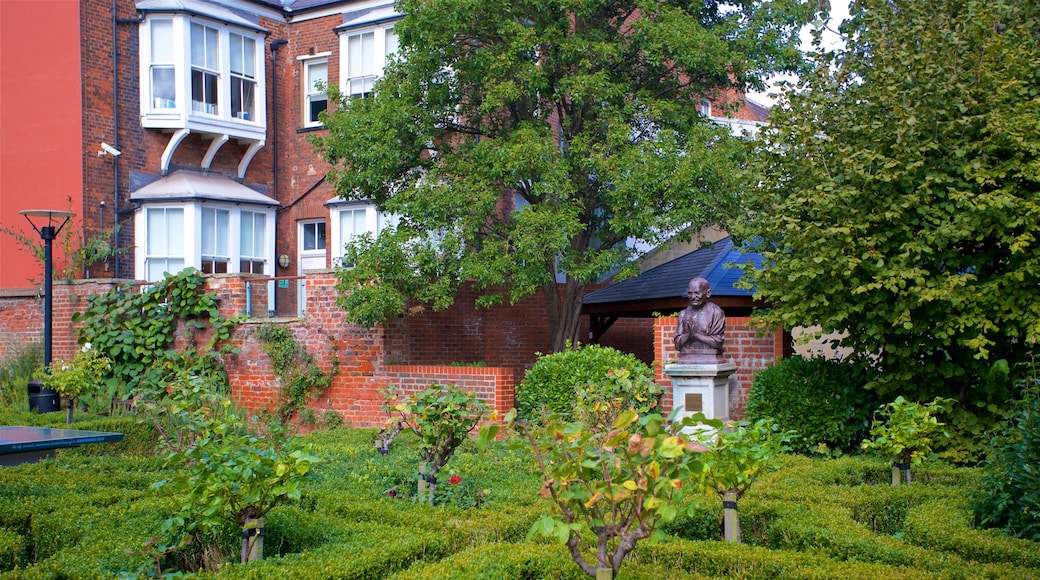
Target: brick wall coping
(85, 281)
(450, 370)
(21, 292)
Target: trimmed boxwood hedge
(79, 515)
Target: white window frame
(373, 223)
(254, 257)
(162, 56)
(246, 77)
(311, 93)
(350, 78)
(182, 111)
(215, 240)
(166, 254)
(207, 68)
(192, 232)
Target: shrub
(15, 373)
(945, 525)
(1010, 495)
(12, 549)
(822, 400)
(552, 383)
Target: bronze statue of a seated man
(700, 332)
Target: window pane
(209, 231)
(212, 57)
(163, 88)
(361, 48)
(211, 90)
(236, 53)
(316, 107)
(175, 233)
(359, 222)
(162, 41)
(391, 42)
(198, 45)
(321, 236)
(249, 57)
(259, 233)
(247, 233)
(223, 232)
(156, 234)
(317, 73)
(248, 89)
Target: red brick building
(178, 132)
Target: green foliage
(441, 417)
(77, 377)
(615, 482)
(518, 142)
(86, 516)
(301, 377)
(823, 401)
(553, 382)
(897, 195)
(231, 475)
(907, 431)
(181, 405)
(137, 332)
(1009, 496)
(15, 373)
(738, 454)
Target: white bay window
(202, 70)
(206, 221)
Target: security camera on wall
(109, 150)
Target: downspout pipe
(275, 45)
(116, 21)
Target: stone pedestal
(701, 388)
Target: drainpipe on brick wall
(275, 45)
(116, 214)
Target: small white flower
(64, 367)
(86, 347)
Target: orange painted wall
(41, 148)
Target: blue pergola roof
(719, 265)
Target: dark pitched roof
(669, 280)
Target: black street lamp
(47, 233)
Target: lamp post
(47, 233)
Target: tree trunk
(69, 404)
(252, 540)
(564, 311)
(730, 519)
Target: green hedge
(945, 525)
(80, 516)
(823, 400)
(371, 551)
(551, 383)
(12, 549)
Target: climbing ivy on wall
(301, 377)
(137, 330)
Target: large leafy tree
(900, 199)
(523, 143)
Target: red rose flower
(454, 480)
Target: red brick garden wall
(409, 352)
(21, 320)
(751, 349)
